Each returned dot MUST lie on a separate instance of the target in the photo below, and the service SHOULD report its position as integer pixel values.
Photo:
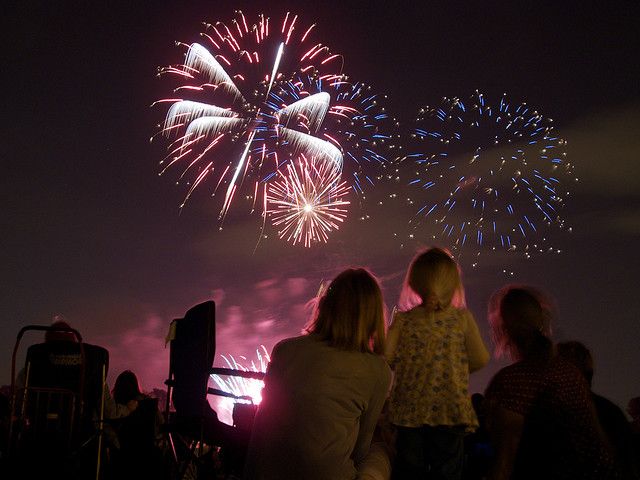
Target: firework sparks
(337, 119)
(231, 74)
(308, 202)
(247, 390)
(493, 175)
(254, 100)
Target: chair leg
(190, 460)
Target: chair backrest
(191, 358)
(64, 389)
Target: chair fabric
(59, 365)
(192, 353)
(60, 407)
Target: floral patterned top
(431, 370)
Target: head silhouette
(579, 355)
(350, 313)
(126, 388)
(519, 319)
(433, 281)
(61, 335)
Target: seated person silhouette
(137, 455)
(612, 418)
(192, 355)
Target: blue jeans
(429, 453)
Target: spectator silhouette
(324, 391)
(539, 409)
(137, 430)
(611, 417)
(433, 346)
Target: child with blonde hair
(433, 345)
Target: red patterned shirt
(561, 437)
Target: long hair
(126, 388)
(350, 313)
(433, 279)
(520, 320)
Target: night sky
(91, 232)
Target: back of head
(350, 314)
(126, 387)
(519, 318)
(579, 355)
(433, 280)
(62, 334)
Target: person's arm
(505, 428)
(370, 416)
(393, 335)
(113, 410)
(476, 350)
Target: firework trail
(492, 176)
(308, 202)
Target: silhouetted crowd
(347, 399)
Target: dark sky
(91, 232)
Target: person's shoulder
(509, 380)
(606, 407)
(510, 373)
(401, 315)
(411, 314)
(612, 418)
(462, 313)
(291, 342)
(305, 342)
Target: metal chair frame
(77, 397)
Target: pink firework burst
(219, 121)
(307, 202)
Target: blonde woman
(324, 391)
(432, 347)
